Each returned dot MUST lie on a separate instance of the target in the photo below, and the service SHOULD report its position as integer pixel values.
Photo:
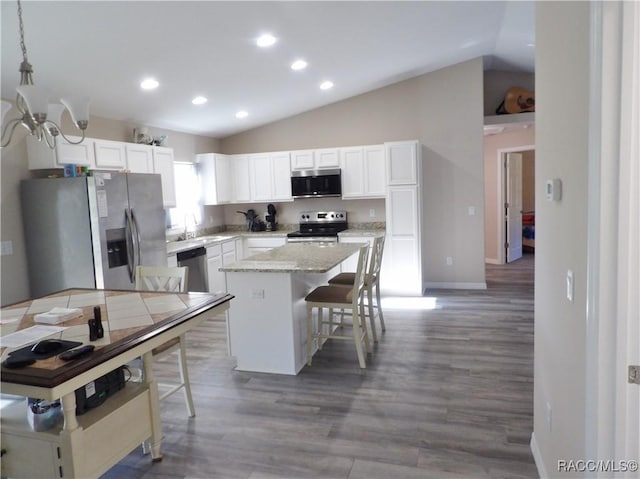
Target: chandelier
(38, 116)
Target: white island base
(268, 319)
(267, 322)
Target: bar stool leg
(357, 336)
(372, 317)
(382, 325)
(310, 334)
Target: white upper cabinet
(110, 155)
(269, 175)
(214, 178)
(302, 160)
(163, 164)
(260, 177)
(315, 159)
(240, 180)
(363, 172)
(139, 158)
(281, 176)
(40, 156)
(402, 164)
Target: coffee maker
(270, 217)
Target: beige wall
(449, 127)
(13, 166)
(493, 209)
(562, 138)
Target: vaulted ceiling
(105, 49)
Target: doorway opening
(516, 203)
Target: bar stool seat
(371, 281)
(339, 297)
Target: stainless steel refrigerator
(92, 232)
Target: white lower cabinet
(216, 278)
(254, 245)
(218, 255)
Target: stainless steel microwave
(316, 183)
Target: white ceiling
(104, 50)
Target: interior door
(513, 206)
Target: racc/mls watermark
(580, 465)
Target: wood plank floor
(448, 394)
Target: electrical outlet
(257, 294)
(449, 261)
(471, 210)
(372, 213)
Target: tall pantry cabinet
(402, 271)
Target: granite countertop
(174, 247)
(296, 258)
(359, 232)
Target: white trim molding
(537, 457)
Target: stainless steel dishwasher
(196, 260)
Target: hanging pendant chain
(22, 45)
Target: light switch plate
(570, 285)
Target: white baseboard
(482, 285)
(492, 261)
(537, 457)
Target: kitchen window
(188, 211)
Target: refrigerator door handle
(136, 231)
(130, 245)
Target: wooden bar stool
(371, 280)
(339, 297)
(153, 278)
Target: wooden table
(88, 445)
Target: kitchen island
(267, 320)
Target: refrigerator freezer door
(57, 234)
(115, 243)
(148, 217)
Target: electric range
(319, 227)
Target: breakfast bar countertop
(296, 257)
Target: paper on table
(28, 335)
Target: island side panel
(261, 329)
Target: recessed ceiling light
(242, 114)
(265, 40)
(326, 85)
(299, 65)
(149, 84)
(199, 100)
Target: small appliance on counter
(252, 221)
(270, 217)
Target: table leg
(154, 406)
(69, 412)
